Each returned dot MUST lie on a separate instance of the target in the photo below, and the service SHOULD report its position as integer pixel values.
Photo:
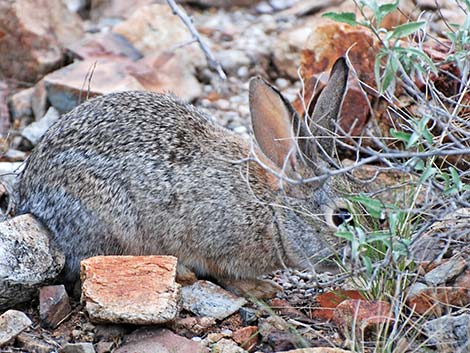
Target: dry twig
(213, 63)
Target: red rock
(130, 289)
(364, 315)
(328, 301)
(42, 28)
(331, 40)
(54, 305)
(246, 337)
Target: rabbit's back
(141, 173)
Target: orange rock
(331, 40)
(364, 315)
(33, 34)
(247, 337)
(130, 289)
(330, 300)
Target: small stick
(196, 36)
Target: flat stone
(204, 298)
(12, 323)
(365, 315)
(27, 259)
(449, 333)
(157, 340)
(84, 347)
(34, 131)
(68, 87)
(54, 305)
(445, 272)
(328, 301)
(130, 289)
(43, 27)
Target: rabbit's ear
(271, 120)
(327, 107)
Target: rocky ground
(56, 54)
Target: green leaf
(345, 17)
(374, 207)
(368, 264)
(455, 178)
(349, 236)
(384, 10)
(400, 135)
(407, 29)
(427, 173)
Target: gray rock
(445, 272)
(204, 298)
(34, 131)
(54, 305)
(84, 347)
(449, 333)
(30, 343)
(12, 323)
(27, 259)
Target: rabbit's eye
(341, 216)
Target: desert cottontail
(143, 173)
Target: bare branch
(212, 62)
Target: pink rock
(151, 340)
(130, 289)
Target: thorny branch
(211, 60)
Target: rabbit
(140, 173)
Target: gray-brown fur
(143, 173)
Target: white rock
(27, 259)
(12, 323)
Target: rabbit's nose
(341, 216)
